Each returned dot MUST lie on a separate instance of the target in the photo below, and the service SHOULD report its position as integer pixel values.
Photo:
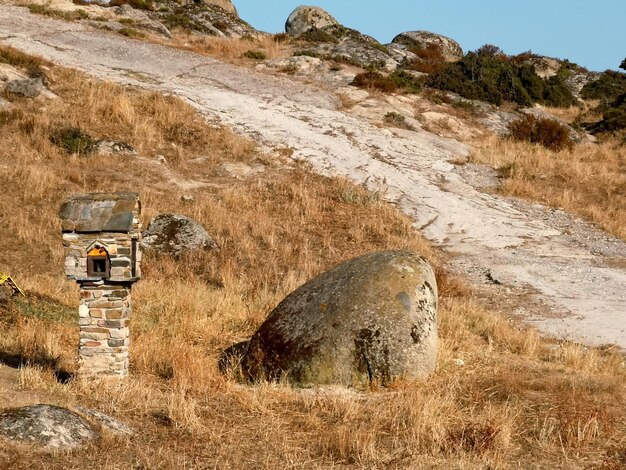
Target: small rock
(110, 147)
(49, 426)
(459, 362)
(240, 170)
(5, 105)
(29, 87)
(108, 423)
(305, 18)
(175, 234)
(186, 198)
(161, 159)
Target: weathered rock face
(53, 427)
(175, 234)
(209, 18)
(370, 319)
(142, 20)
(225, 4)
(327, 39)
(449, 47)
(305, 18)
(28, 87)
(49, 426)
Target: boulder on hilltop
(450, 49)
(305, 18)
(371, 319)
(322, 36)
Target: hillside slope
(580, 281)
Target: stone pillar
(104, 329)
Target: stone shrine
(101, 234)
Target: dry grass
(229, 49)
(588, 180)
(501, 398)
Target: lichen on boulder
(305, 18)
(372, 319)
(324, 37)
(48, 426)
(175, 234)
(450, 49)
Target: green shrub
(281, 38)
(623, 65)
(406, 82)
(375, 81)
(307, 53)
(178, 20)
(607, 88)
(318, 36)
(138, 4)
(547, 132)
(397, 120)
(73, 140)
(257, 55)
(489, 50)
(130, 33)
(613, 117)
(492, 77)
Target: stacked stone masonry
(104, 317)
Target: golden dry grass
(501, 398)
(588, 180)
(228, 49)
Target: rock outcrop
(224, 4)
(204, 17)
(369, 319)
(305, 18)
(141, 19)
(175, 234)
(450, 49)
(325, 38)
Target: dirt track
(533, 260)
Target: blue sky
(590, 33)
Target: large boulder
(305, 18)
(175, 234)
(450, 49)
(369, 319)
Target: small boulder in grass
(52, 427)
(372, 319)
(176, 234)
(47, 426)
(28, 87)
